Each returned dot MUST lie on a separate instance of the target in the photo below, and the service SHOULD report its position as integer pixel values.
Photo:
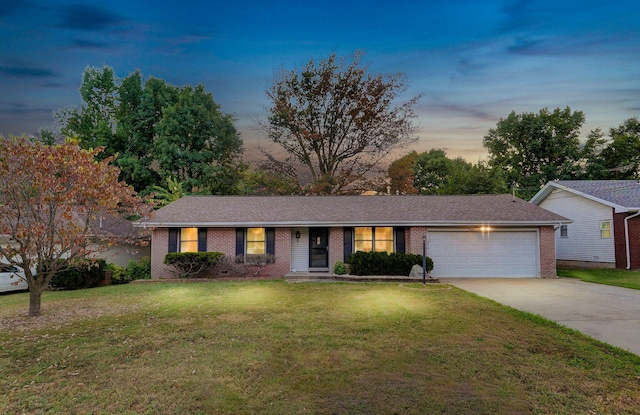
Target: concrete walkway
(606, 313)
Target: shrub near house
(382, 263)
(193, 264)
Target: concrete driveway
(609, 314)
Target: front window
(605, 229)
(376, 239)
(256, 241)
(189, 240)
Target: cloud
(518, 15)
(88, 44)
(89, 18)
(25, 72)
(440, 106)
(18, 108)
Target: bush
(339, 268)
(193, 264)
(382, 263)
(140, 269)
(119, 275)
(79, 273)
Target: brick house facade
(501, 235)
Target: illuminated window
(256, 241)
(378, 239)
(189, 240)
(605, 229)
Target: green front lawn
(618, 277)
(270, 347)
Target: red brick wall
(620, 241)
(159, 248)
(336, 246)
(413, 239)
(221, 240)
(547, 252)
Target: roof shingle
(620, 192)
(350, 210)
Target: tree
(163, 196)
(49, 196)
(198, 144)
(402, 175)
(432, 170)
(533, 149)
(621, 157)
(94, 122)
(474, 179)
(267, 179)
(153, 131)
(337, 120)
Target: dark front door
(318, 248)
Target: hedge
(193, 264)
(382, 263)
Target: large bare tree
(338, 121)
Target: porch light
(485, 228)
(297, 234)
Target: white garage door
(488, 254)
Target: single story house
(605, 228)
(466, 236)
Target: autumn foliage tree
(338, 121)
(49, 195)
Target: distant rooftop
(624, 193)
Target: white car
(12, 278)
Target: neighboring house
(466, 236)
(605, 228)
(127, 243)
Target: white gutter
(626, 237)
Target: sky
(473, 62)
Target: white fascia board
(343, 224)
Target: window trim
(175, 235)
(374, 239)
(262, 241)
(269, 241)
(183, 242)
(564, 231)
(606, 229)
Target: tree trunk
(35, 298)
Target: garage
(467, 253)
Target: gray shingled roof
(351, 210)
(623, 193)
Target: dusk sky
(473, 61)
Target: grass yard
(270, 347)
(617, 277)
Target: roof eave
(283, 224)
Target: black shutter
(399, 237)
(270, 234)
(173, 239)
(202, 239)
(239, 241)
(347, 243)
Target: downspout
(626, 237)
